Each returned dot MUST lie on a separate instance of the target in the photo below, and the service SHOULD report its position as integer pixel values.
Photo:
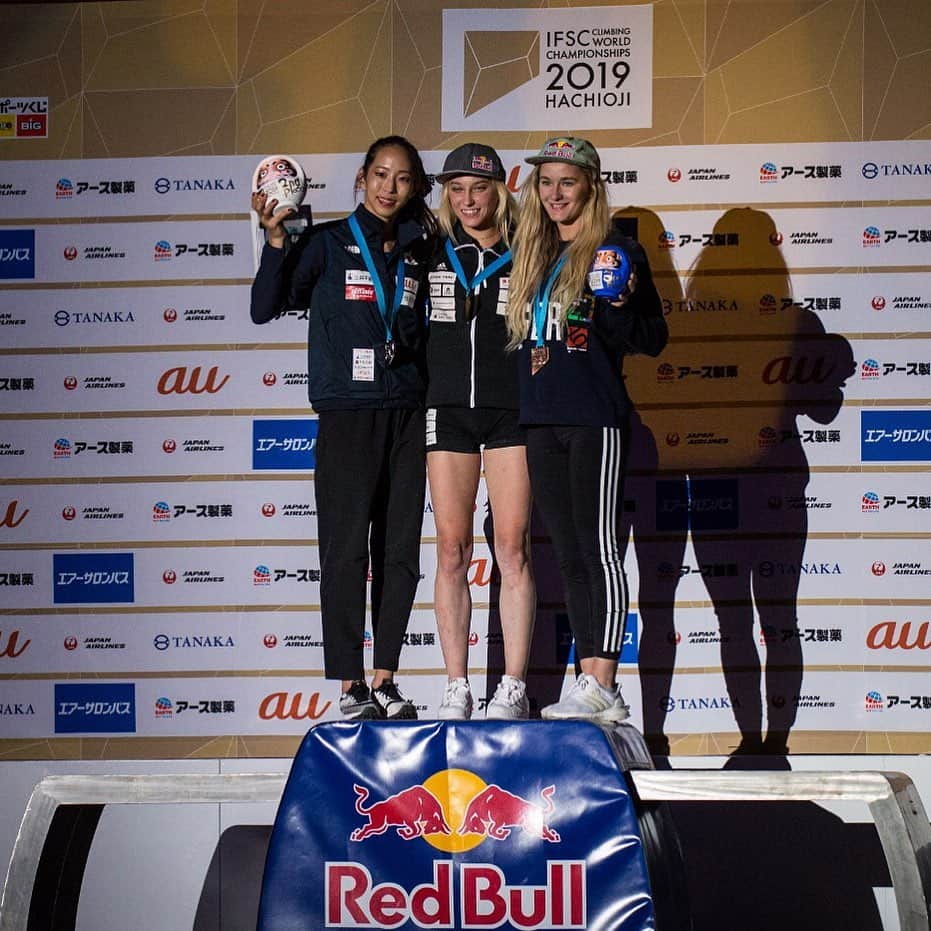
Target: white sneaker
(457, 701)
(589, 701)
(509, 702)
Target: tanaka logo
(181, 381)
(14, 516)
(892, 635)
(454, 811)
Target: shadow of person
(745, 363)
(659, 533)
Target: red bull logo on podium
(516, 826)
(454, 811)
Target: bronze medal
(539, 356)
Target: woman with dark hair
(591, 301)
(472, 421)
(362, 278)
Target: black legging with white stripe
(577, 475)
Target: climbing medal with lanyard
(483, 275)
(386, 315)
(540, 354)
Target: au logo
(454, 810)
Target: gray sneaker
(509, 702)
(357, 704)
(587, 700)
(457, 701)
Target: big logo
(90, 578)
(12, 648)
(17, 254)
(284, 444)
(180, 380)
(282, 706)
(95, 708)
(890, 635)
(13, 516)
(897, 436)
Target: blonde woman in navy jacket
(570, 353)
(363, 279)
(472, 420)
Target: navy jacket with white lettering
(325, 271)
(582, 383)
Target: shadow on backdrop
(717, 457)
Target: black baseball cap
(480, 161)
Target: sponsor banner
(189, 575)
(146, 251)
(895, 435)
(185, 511)
(805, 237)
(130, 447)
(156, 381)
(205, 315)
(258, 641)
(858, 635)
(721, 569)
(176, 186)
(284, 445)
(877, 702)
(26, 708)
(589, 68)
(17, 254)
(95, 708)
(752, 437)
(783, 503)
(24, 118)
(769, 173)
(773, 306)
(890, 369)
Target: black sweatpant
(370, 479)
(577, 477)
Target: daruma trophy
(609, 272)
(281, 178)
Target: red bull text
(354, 900)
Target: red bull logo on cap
(559, 148)
(482, 163)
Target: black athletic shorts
(468, 429)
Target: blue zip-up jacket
(582, 382)
(346, 340)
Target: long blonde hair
(536, 245)
(505, 212)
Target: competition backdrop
(158, 557)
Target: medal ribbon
(484, 274)
(541, 302)
(376, 280)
